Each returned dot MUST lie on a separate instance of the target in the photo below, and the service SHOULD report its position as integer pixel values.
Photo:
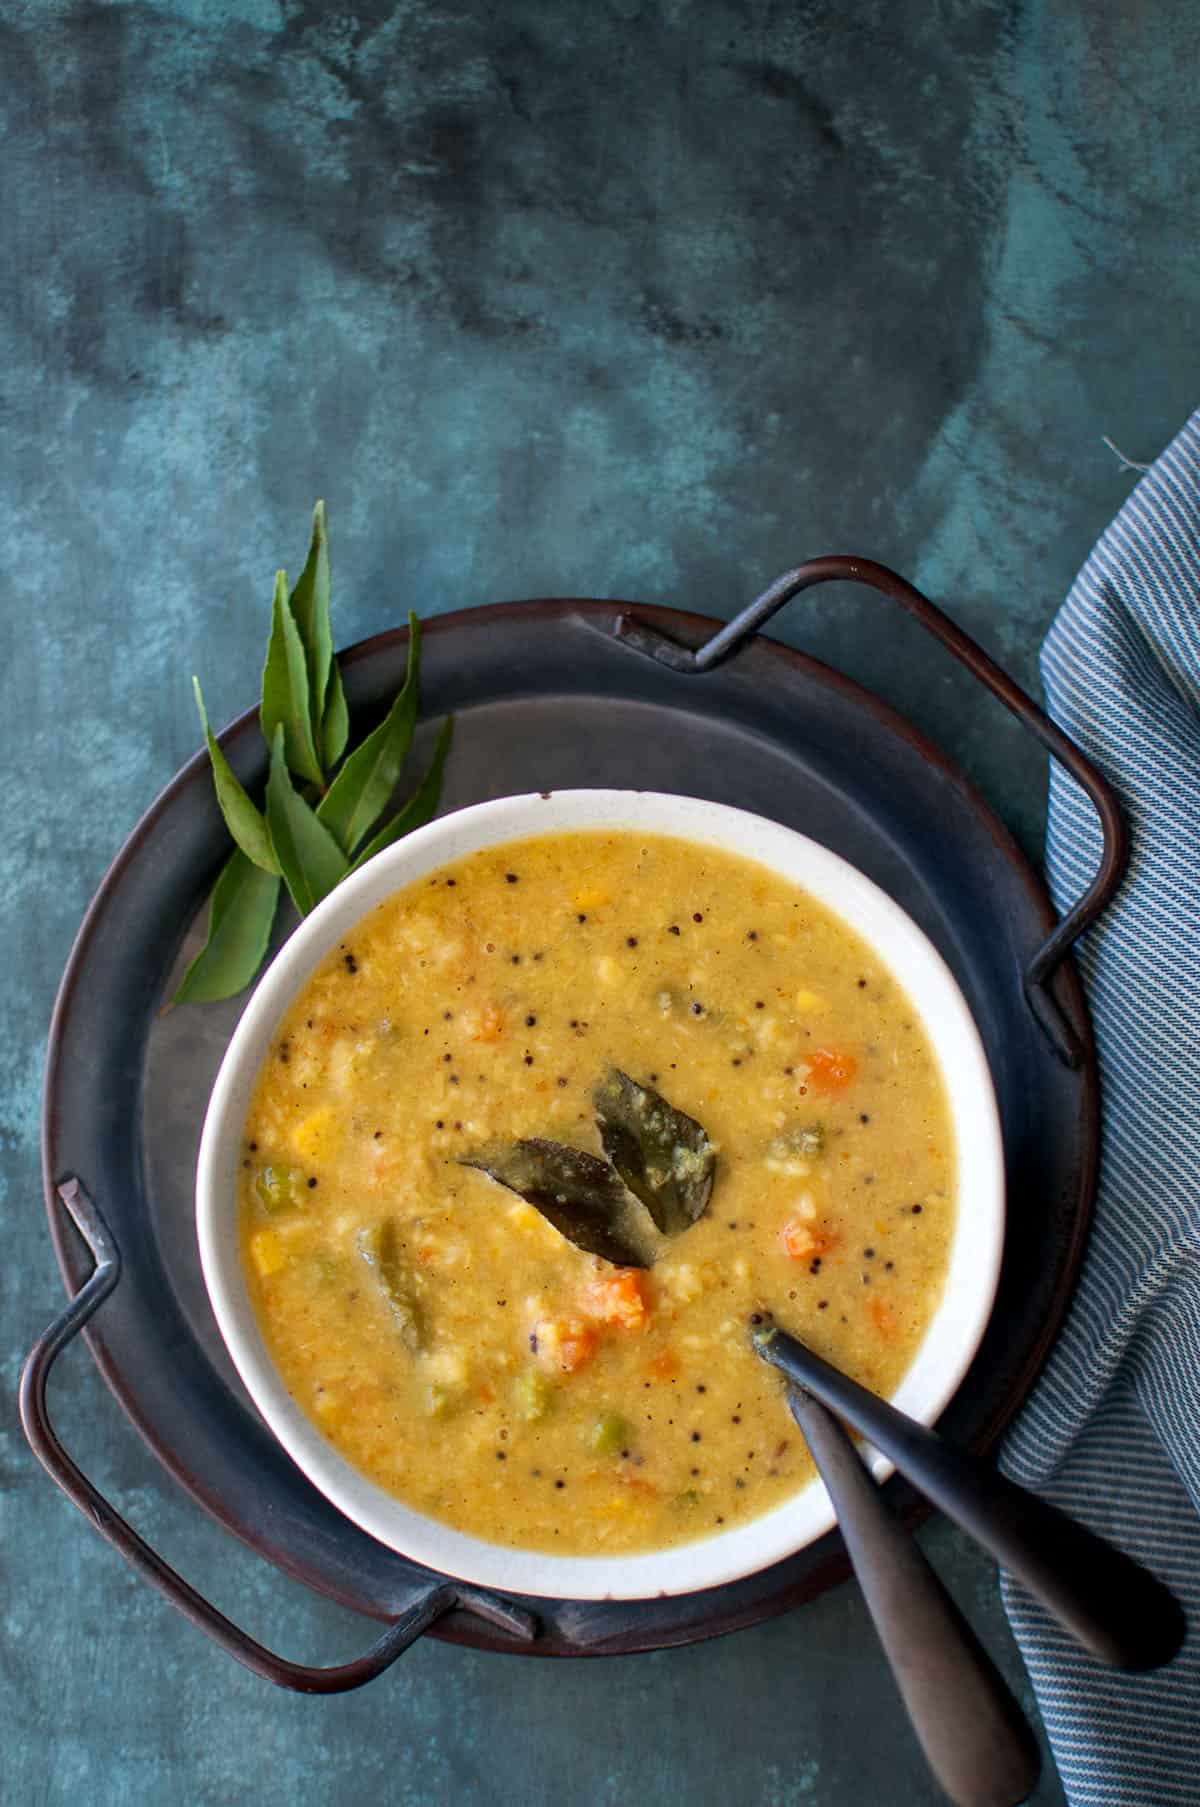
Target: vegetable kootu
(538, 1138)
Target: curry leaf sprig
(323, 806)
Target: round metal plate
(545, 699)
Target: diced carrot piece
(635, 1484)
(618, 1299)
(564, 1344)
(576, 1347)
(831, 1069)
(798, 1239)
(489, 1025)
(883, 1317)
(663, 1366)
(485, 1392)
(631, 1484)
(802, 1241)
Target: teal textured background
(637, 300)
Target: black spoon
(975, 1739)
(1110, 1604)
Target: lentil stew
(448, 1340)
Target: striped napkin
(1112, 1430)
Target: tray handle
(1041, 968)
(439, 1597)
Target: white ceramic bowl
(949, 1343)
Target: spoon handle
(1110, 1604)
(974, 1736)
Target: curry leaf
(310, 611)
(239, 931)
(309, 858)
(306, 724)
(360, 792)
(335, 724)
(580, 1195)
(663, 1156)
(421, 804)
(243, 820)
(285, 689)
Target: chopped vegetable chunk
(610, 1434)
(803, 1241)
(564, 1344)
(379, 1246)
(317, 1138)
(267, 1252)
(619, 1299)
(279, 1188)
(831, 1070)
(533, 1394)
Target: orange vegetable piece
(802, 1241)
(798, 1239)
(663, 1366)
(618, 1299)
(639, 1491)
(576, 1347)
(635, 1484)
(831, 1069)
(883, 1317)
(565, 1344)
(490, 1025)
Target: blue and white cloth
(1112, 1431)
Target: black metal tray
(548, 695)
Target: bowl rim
(945, 1352)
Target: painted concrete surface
(633, 300)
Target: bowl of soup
(526, 1124)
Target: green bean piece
(533, 1393)
(279, 1188)
(380, 1248)
(610, 1434)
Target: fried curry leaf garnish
(663, 1156)
(379, 1246)
(579, 1194)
